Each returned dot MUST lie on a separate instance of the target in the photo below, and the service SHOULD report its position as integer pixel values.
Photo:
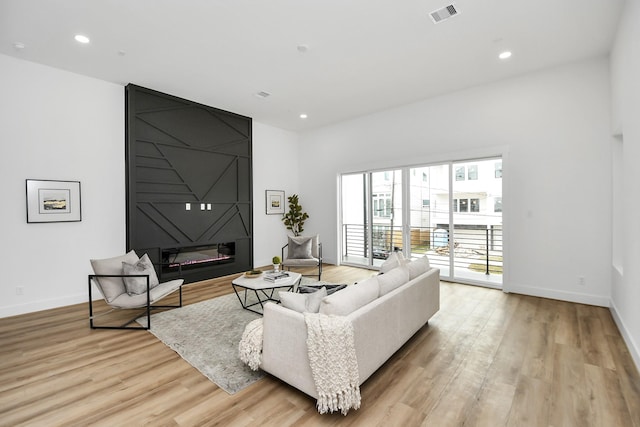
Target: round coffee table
(264, 290)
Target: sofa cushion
(112, 287)
(393, 279)
(418, 266)
(390, 263)
(395, 259)
(351, 298)
(138, 285)
(303, 303)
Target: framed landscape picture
(275, 202)
(53, 201)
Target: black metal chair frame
(147, 308)
(301, 266)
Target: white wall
(273, 169)
(61, 126)
(64, 126)
(625, 69)
(553, 127)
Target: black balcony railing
(476, 248)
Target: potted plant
(295, 218)
(276, 263)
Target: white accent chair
(129, 282)
(303, 251)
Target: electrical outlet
(581, 281)
(19, 290)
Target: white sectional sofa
(385, 311)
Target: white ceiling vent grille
(444, 13)
(262, 94)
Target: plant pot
(276, 267)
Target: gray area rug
(206, 335)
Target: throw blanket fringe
(250, 346)
(332, 357)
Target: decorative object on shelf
(295, 218)
(274, 202)
(276, 263)
(53, 201)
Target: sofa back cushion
(418, 266)
(393, 279)
(390, 263)
(351, 298)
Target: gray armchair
(129, 282)
(303, 251)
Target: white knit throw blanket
(250, 346)
(332, 357)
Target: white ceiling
(363, 56)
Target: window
(464, 205)
(424, 177)
(475, 205)
(498, 173)
(460, 173)
(473, 172)
(497, 204)
(425, 203)
(455, 205)
(382, 205)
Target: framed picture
(53, 201)
(275, 202)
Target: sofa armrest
(284, 352)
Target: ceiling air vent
(262, 94)
(444, 13)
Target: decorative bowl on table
(252, 274)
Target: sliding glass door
(451, 212)
(372, 219)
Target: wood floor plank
(486, 359)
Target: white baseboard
(590, 299)
(633, 347)
(32, 306)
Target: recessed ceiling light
(18, 46)
(303, 116)
(505, 55)
(302, 48)
(262, 94)
(82, 39)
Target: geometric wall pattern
(180, 152)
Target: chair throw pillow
(300, 247)
(138, 285)
(112, 287)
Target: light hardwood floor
(486, 359)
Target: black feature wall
(180, 152)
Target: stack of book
(274, 277)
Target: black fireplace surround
(189, 186)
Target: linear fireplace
(196, 257)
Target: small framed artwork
(275, 202)
(53, 201)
